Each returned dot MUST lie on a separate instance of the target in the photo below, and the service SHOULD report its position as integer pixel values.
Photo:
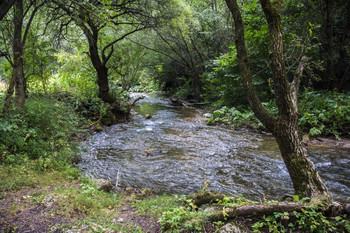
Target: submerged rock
(154, 153)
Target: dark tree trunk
(331, 74)
(342, 67)
(17, 80)
(103, 84)
(9, 93)
(100, 67)
(305, 178)
(17, 54)
(5, 6)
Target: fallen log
(223, 214)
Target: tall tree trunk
(17, 80)
(17, 54)
(100, 67)
(305, 178)
(331, 74)
(9, 93)
(343, 64)
(103, 84)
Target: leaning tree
(104, 24)
(284, 126)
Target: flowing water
(175, 152)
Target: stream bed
(175, 152)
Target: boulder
(346, 208)
(99, 128)
(108, 119)
(230, 228)
(104, 185)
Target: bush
(42, 130)
(320, 113)
(325, 113)
(235, 118)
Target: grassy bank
(65, 201)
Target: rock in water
(148, 116)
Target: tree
(284, 127)
(98, 20)
(194, 34)
(19, 39)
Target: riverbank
(65, 201)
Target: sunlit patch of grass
(107, 224)
(156, 205)
(15, 177)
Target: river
(175, 152)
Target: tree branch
(30, 21)
(259, 110)
(299, 73)
(157, 51)
(119, 39)
(5, 6)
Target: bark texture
(99, 65)
(220, 214)
(206, 197)
(306, 181)
(5, 6)
(17, 80)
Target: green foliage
(309, 219)
(222, 80)
(183, 218)
(234, 118)
(324, 113)
(156, 205)
(229, 201)
(41, 131)
(320, 113)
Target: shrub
(320, 113)
(41, 130)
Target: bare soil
(18, 213)
(344, 143)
